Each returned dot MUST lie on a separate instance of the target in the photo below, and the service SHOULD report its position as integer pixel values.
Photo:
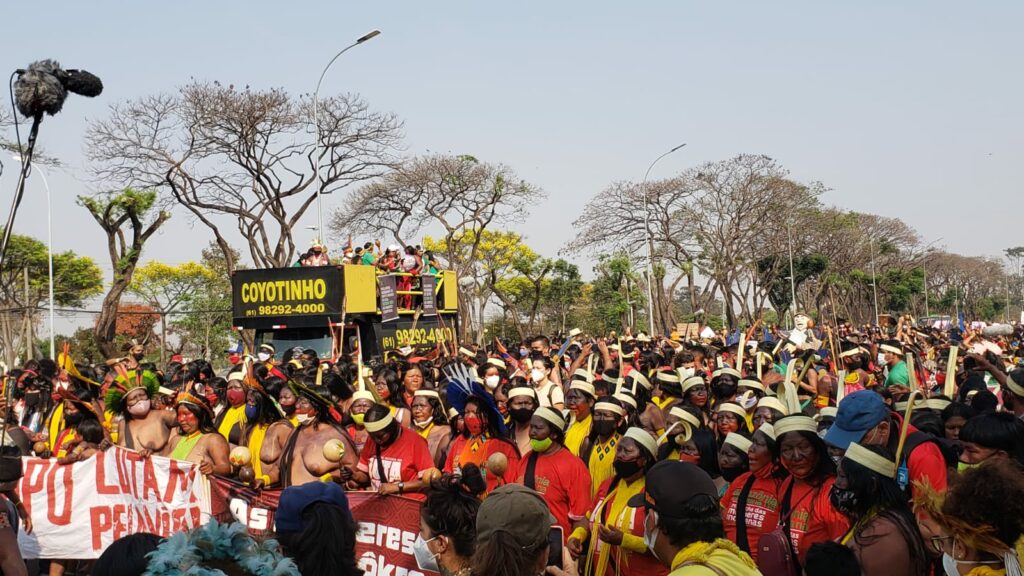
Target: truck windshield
(318, 339)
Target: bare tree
(246, 154)
(122, 217)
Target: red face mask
(236, 397)
(691, 458)
(474, 424)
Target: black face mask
(521, 415)
(138, 356)
(844, 501)
(72, 420)
(31, 399)
(288, 410)
(730, 474)
(625, 469)
(603, 427)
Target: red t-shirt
(927, 466)
(405, 460)
(813, 519)
(762, 509)
(564, 482)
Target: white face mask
(685, 373)
(422, 425)
(950, 565)
(492, 382)
(139, 409)
(651, 539)
(302, 418)
(424, 557)
(263, 356)
(537, 375)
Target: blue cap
(858, 413)
(295, 499)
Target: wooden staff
(950, 383)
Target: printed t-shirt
(405, 460)
(564, 482)
(813, 519)
(762, 507)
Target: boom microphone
(38, 90)
(997, 330)
(43, 87)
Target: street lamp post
(650, 242)
(792, 277)
(316, 123)
(49, 249)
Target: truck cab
(336, 310)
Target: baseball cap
(295, 499)
(858, 413)
(673, 486)
(516, 511)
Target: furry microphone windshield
(81, 82)
(39, 90)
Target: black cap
(673, 486)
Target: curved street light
(316, 124)
(650, 242)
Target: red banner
(388, 525)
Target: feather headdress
(462, 386)
(125, 382)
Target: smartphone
(555, 539)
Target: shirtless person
(145, 427)
(196, 440)
(303, 458)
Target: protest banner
(388, 525)
(79, 509)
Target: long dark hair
(394, 384)
(203, 416)
(451, 506)
(825, 467)
(883, 494)
(327, 542)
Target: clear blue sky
(909, 109)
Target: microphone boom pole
(26, 165)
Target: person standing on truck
(388, 263)
(369, 256)
(318, 255)
(411, 264)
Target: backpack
(916, 439)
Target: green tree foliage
(205, 327)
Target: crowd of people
(891, 450)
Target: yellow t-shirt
(576, 433)
(602, 455)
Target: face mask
(844, 501)
(651, 539)
(288, 409)
(211, 397)
(303, 418)
(539, 446)
(139, 409)
(625, 469)
(492, 382)
(251, 412)
(424, 558)
(685, 373)
(31, 399)
(474, 424)
(73, 420)
(358, 418)
(422, 425)
(603, 427)
(536, 375)
(691, 458)
(263, 356)
(138, 356)
(730, 474)
(949, 563)
(521, 415)
(963, 466)
(881, 360)
(235, 397)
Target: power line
(81, 311)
